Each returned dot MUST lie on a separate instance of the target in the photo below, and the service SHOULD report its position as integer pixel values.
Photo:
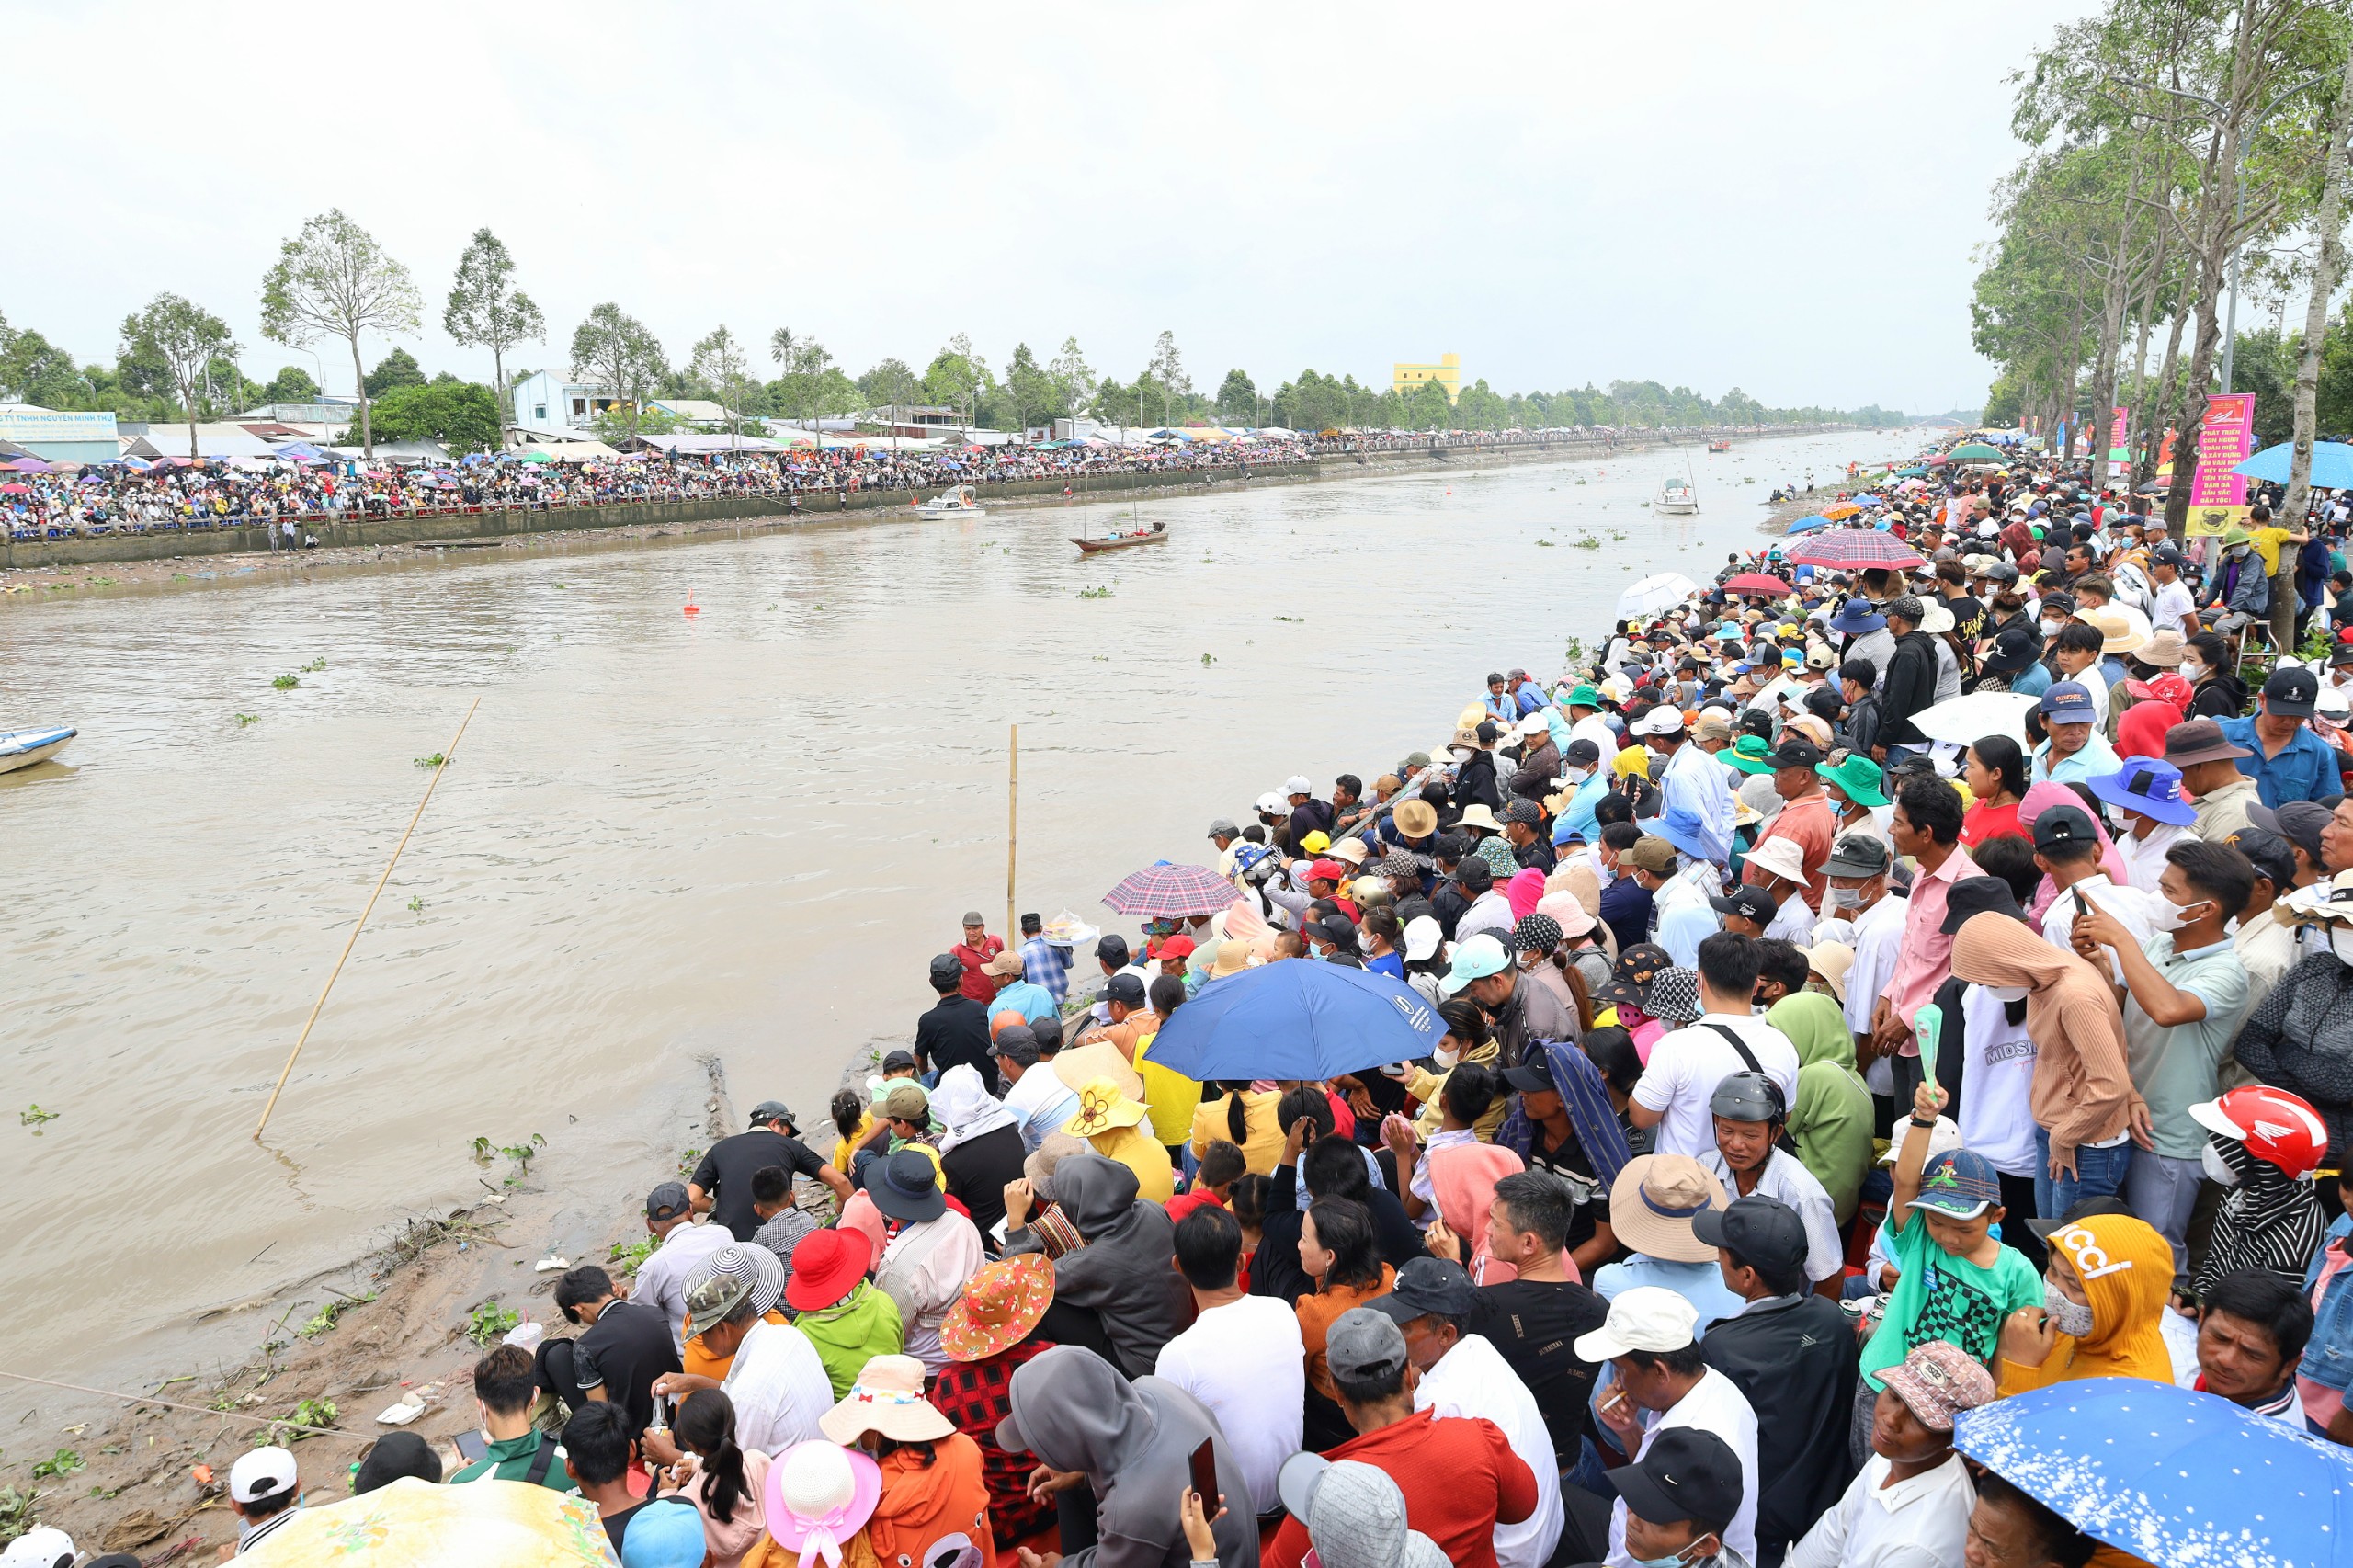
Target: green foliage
(19, 1512)
(617, 352)
(287, 682)
(334, 280)
(288, 1430)
(244, 719)
(488, 1321)
(62, 1463)
(397, 368)
(291, 384)
(631, 1255)
(520, 1155)
(326, 1317)
(33, 1116)
(1237, 398)
(186, 340)
(436, 760)
(1096, 593)
(416, 904)
(890, 382)
(484, 309)
(2336, 407)
(461, 415)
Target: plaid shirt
(975, 1395)
(1044, 964)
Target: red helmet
(2277, 1127)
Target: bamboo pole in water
(350, 942)
(1012, 822)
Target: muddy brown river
(737, 834)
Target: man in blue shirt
(1048, 966)
(1014, 994)
(2287, 761)
(1581, 761)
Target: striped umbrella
(1171, 892)
(1855, 549)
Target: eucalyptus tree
(186, 338)
(334, 280)
(486, 311)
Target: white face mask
(1845, 898)
(1576, 775)
(2005, 992)
(2216, 1167)
(1444, 1057)
(2171, 917)
(2193, 671)
(2052, 628)
(2068, 1317)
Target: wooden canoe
(1091, 546)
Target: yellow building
(1446, 373)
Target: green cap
(1582, 697)
(1750, 755)
(710, 1302)
(1859, 777)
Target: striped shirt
(1043, 963)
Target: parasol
(1296, 1020)
(1655, 593)
(2331, 464)
(1856, 550)
(1967, 720)
(1167, 892)
(1807, 525)
(1758, 582)
(2173, 1477)
(414, 1524)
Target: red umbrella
(1172, 892)
(16, 489)
(1758, 582)
(1855, 549)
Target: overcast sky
(1782, 198)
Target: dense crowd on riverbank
(1799, 1087)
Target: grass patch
(33, 1116)
(488, 1323)
(287, 683)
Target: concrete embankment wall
(498, 523)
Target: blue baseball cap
(1679, 825)
(663, 1534)
(2068, 703)
(1961, 1183)
(2148, 784)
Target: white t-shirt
(1786, 1178)
(2175, 607)
(1879, 938)
(2130, 905)
(1687, 1064)
(1714, 1404)
(1246, 1361)
(2144, 859)
(1912, 1523)
(1473, 1379)
(1998, 1068)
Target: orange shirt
(1319, 1312)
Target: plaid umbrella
(1171, 892)
(1855, 549)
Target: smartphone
(1205, 1475)
(472, 1447)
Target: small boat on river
(23, 748)
(1156, 534)
(1720, 446)
(956, 503)
(1677, 498)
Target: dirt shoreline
(394, 1324)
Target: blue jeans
(2099, 1173)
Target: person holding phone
(509, 1447)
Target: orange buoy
(692, 607)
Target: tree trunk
(2220, 190)
(2324, 273)
(360, 385)
(498, 370)
(2161, 401)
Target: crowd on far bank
(1841, 1079)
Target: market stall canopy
(2331, 464)
(1297, 1019)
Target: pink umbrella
(1758, 582)
(1171, 892)
(15, 490)
(1855, 549)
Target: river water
(738, 834)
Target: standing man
(1014, 994)
(1694, 781)
(1805, 818)
(1908, 686)
(973, 954)
(2208, 763)
(1047, 966)
(680, 1244)
(1926, 826)
(721, 1185)
(956, 1032)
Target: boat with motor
(1156, 534)
(24, 748)
(957, 502)
(1720, 446)
(1677, 498)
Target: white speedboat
(1677, 498)
(22, 748)
(956, 503)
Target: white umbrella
(1968, 719)
(1654, 593)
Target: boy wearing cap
(265, 1491)
(1651, 1346)
(1911, 1501)
(1459, 1477)
(1955, 1281)
(2067, 847)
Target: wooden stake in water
(447, 757)
(1012, 822)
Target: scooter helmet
(2277, 1126)
(1749, 1097)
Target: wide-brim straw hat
(1652, 1203)
(1001, 1303)
(887, 1398)
(1416, 818)
(1478, 816)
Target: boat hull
(25, 748)
(935, 514)
(1676, 509)
(1095, 546)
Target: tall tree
(1167, 368)
(719, 363)
(333, 279)
(1074, 375)
(2330, 221)
(803, 362)
(486, 309)
(618, 353)
(1237, 397)
(186, 338)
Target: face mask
(2171, 917)
(1576, 775)
(2193, 671)
(1444, 1057)
(2005, 992)
(2216, 1167)
(2072, 1318)
(1676, 1560)
(1845, 898)
(2052, 628)
(2340, 942)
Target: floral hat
(887, 1398)
(1102, 1106)
(1001, 1303)
(1630, 983)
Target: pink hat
(817, 1495)
(1938, 1379)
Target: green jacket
(862, 1325)
(510, 1459)
(1832, 1119)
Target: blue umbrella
(2173, 1477)
(1807, 525)
(1297, 1018)
(2331, 464)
